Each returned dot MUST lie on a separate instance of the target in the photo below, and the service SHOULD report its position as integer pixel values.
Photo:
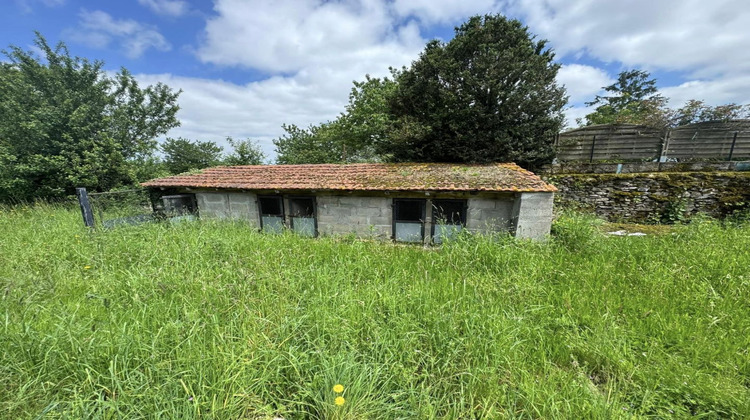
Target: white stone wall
(489, 215)
(230, 205)
(362, 216)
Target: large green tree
(488, 95)
(351, 137)
(244, 152)
(64, 123)
(635, 99)
(315, 144)
(183, 155)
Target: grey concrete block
(533, 215)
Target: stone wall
(488, 215)
(371, 216)
(642, 167)
(362, 216)
(654, 197)
(229, 205)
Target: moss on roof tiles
(366, 177)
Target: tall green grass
(214, 320)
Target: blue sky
(247, 66)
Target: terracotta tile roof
(363, 176)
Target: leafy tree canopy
(635, 99)
(183, 155)
(65, 123)
(349, 138)
(244, 152)
(488, 95)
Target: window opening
(448, 219)
(271, 214)
(408, 220)
(302, 214)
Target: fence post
(665, 147)
(731, 149)
(83, 200)
(593, 144)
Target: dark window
(409, 210)
(271, 206)
(448, 219)
(301, 207)
(408, 220)
(451, 212)
(271, 214)
(302, 215)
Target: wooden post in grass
(86, 212)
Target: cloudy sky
(247, 66)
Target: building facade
(404, 202)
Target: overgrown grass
(214, 320)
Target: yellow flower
(339, 401)
(338, 388)
(86, 267)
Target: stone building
(409, 202)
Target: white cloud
(98, 29)
(215, 109)
(313, 50)
(582, 82)
(444, 11)
(174, 8)
(703, 38)
(734, 88)
(289, 36)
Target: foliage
(635, 99)
(349, 138)
(147, 168)
(214, 320)
(244, 152)
(183, 155)
(367, 119)
(316, 144)
(64, 123)
(488, 95)
(695, 111)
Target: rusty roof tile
(499, 177)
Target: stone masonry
(654, 197)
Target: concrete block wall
(362, 216)
(489, 215)
(529, 215)
(532, 215)
(229, 205)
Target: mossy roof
(499, 177)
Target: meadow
(214, 320)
